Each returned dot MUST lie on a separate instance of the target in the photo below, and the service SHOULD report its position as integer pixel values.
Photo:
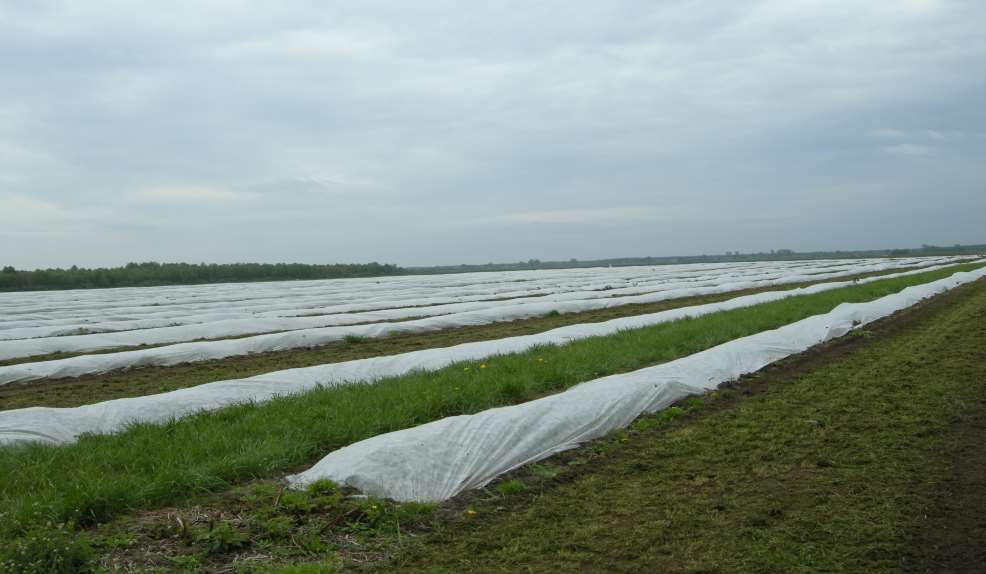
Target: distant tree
(153, 273)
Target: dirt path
(953, 538)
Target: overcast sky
(433, 132)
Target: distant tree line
(152, 273)
(727, 257)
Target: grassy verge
(151, 465)
(151, 380)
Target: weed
(296, 501)
(324, 567)
(324, 494)
(222, 537)
(413, 512)
(545, 471)
(186, 563)
(512, 391)
(509, 487)
(277, 527)
(47, 550)
(261, 493)
(309, 543)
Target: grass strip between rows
(151, 465)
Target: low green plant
(324, 494)
(327, 566)
(413, 512)
(296, 501)
(276, 527)
(47, 549)
(508, 487)
(221, 538)
(545, 471)
(309, 543)
(189, 563)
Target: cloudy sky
(433, 132)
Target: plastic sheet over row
(222, 328)
(216, 326)
(438, 460)
(81, 328)
(57, 307)
(62, 425)
(502, 311)
(44, 314)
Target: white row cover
(213, 325)
(47, 314)
(438, 460)
(223, 328)
(74, 300)
(340, 297)
(139, 302)
(489, 313)
(64, 425)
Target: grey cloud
(428, 132)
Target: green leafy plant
(509, 487)
(222, 537)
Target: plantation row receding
(152, 464)
(436, 461)
(323, 323)
(65, 425)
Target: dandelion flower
(483, 366)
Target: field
(191, 418)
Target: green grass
(153, 465)
(262, 519)
(828, 464)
